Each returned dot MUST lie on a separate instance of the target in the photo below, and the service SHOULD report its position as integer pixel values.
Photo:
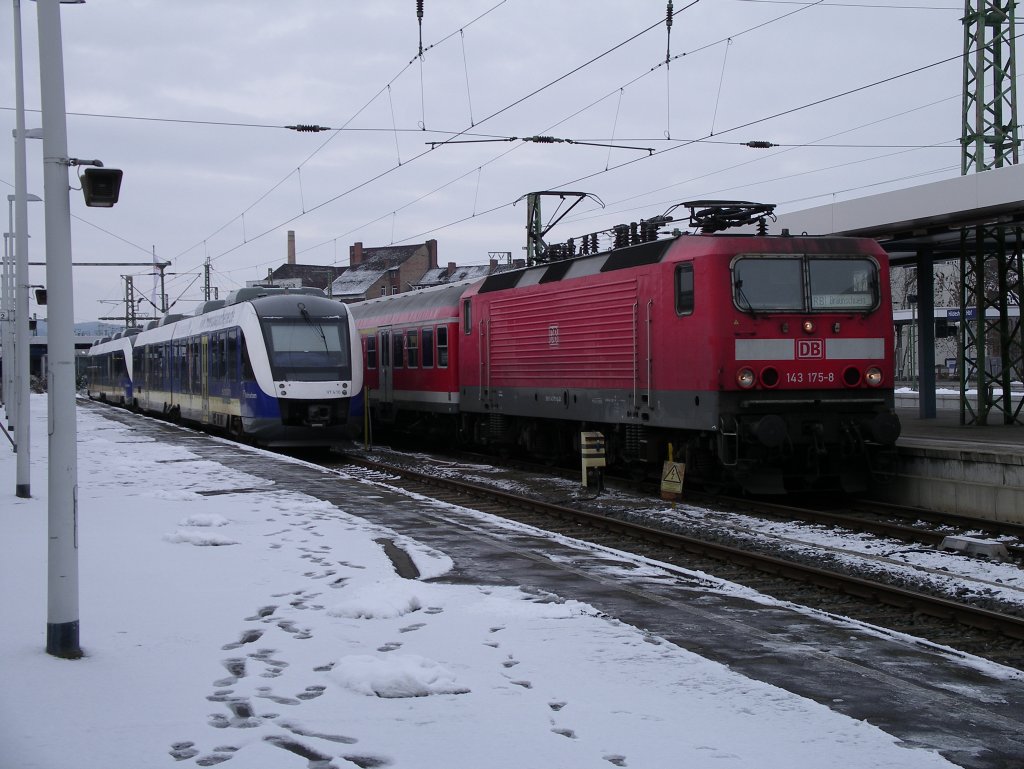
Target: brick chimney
(355, 254)
(494, 266)
(451, 269)
(432, 251)
(291, 246)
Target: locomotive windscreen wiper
(316, 326)
(738, 285)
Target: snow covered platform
(241, 607)
(965, 469)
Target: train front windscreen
(311, 350)
(805, 284)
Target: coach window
(428, 348)
(197, 366)
(181, 370)
(247, 372)
(442, 347)
(467, 318)
(397, 350)
(233, 354)
(412, 348)
(684, 289)
(371, 352)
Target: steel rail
(944, 608)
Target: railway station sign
(972, 313)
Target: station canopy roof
(928, 217)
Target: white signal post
(62, 606)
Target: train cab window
(397, 350)
(843, 284)
(428, 348)
(442, 347)
(412, 349)
(684, 289)
(768, 283)
(467, 317)
(371, 352)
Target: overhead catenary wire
(682, 144)
(479, 168)
(693, 141)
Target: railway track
(819, 582)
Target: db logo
(810, 349)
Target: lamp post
(22, 358)
(62, 605)
(6, 329)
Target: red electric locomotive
(765, 361)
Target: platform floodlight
(101, 186)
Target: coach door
(204, 388)
(386, 394)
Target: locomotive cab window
(684, 289)
(843, 284)
(467, 317)
(804, 284)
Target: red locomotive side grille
(570, 338)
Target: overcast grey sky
(189, 98)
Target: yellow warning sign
(672, 479)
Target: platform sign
(972, 313)
(672, 480)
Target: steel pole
(62, 608)
(22, 350)
(7, 330)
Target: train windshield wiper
(741, 295)
(314, 325)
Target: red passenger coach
(411, 365)
(762, 361)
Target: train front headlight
(745, 378)
(873, 376)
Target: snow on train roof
(435, 297)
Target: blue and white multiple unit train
(272, 366)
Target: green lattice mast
(990, 263)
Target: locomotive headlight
(808, 326)
(745, 378)
(873, 376)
